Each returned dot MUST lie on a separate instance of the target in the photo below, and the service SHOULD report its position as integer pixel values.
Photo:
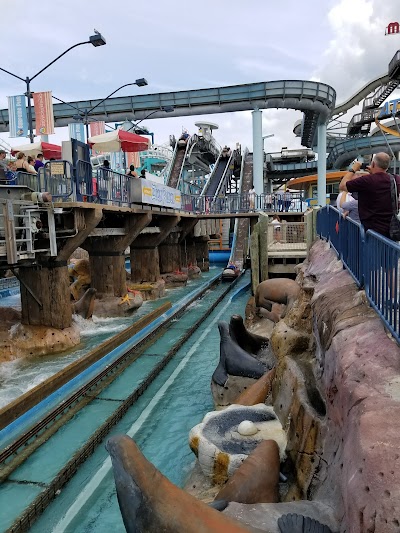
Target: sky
(179, 45)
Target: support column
(202, 257)
(48, 302)
(322, 164)
(145, 251)
(188, 253)
(108, 272)
(170, 254)
(258, 152)
(107, 255)
(145, 265)
(45, 292)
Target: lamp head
(168, 108)
(141, 82)
(97, 39)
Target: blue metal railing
(381, 271)
(26, 179)
(112, 187)
(371, 259)
(84, 181)
(56, 178)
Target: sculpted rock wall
(338, 394)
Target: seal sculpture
(256, 480)
(85, 306)
(149, 503)
(278, 290)
(250, 342)
(234, 360)
(258, 392)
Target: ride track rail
(84, 395)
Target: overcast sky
(179, 45)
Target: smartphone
(364, 166)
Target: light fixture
(97, 39)
(141, 82)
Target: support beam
(258, 152)
(85, 222)
(107, 256)
(321, 164)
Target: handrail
(371, 259)
(224, 176)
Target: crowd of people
(22, 163)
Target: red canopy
(50, 151)
(117, 140)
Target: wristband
(352, 171)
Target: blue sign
(17, 116)
(76, 131)
(390, 108)
(117, 161)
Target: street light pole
(96, 40)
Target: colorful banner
(97, 128)
(18, 116)
(44, 117)
(76, 131)
(132, 158)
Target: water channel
(159, 422)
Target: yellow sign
(56, 168)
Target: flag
(44, 117)
(117, 161)
(17, 116)
(76, 131)
(132, 158)
(97, 128)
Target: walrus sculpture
(85, 306)
(234, 360)
(250, 342)
(149, 503)
(278, 290)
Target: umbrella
(117, 140)
(48, 150)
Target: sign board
(392, 28)
(56, 167)
(150, 192)
(390, 108)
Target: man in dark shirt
(39, 162)
(374, 199)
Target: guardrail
(243, 203)
(112, 187)
(371, 259)
(26, 179)
(56, 178)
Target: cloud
(359, 50)
(342, 44)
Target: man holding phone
(373, 188)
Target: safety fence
(371, 259)
(84, 184)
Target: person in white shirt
(252, 198)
